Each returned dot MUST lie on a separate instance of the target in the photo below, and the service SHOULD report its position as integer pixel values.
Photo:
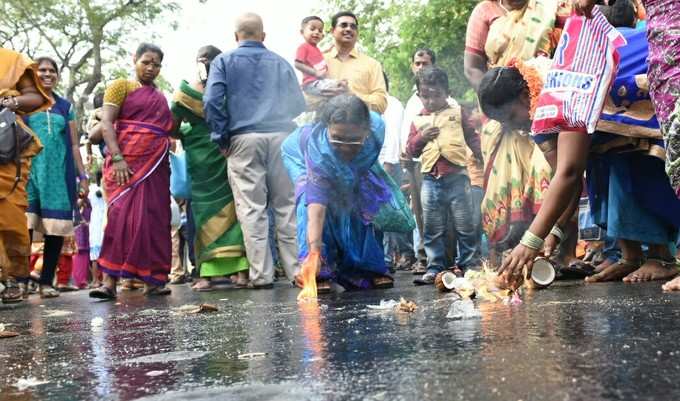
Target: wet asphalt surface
(569, 342)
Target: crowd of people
(334, 174)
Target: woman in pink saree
(136, 125)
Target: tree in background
(390, 30)
(82, 35)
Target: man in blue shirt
(251, 99)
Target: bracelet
(16, 102)
(532, 241)
(117, 158)
(557, 231)
(83, 176)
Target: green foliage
(391, 30)
(83, 36)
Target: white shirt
(393, 117)
(413, 107)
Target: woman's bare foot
(653, 270)
(202, 285)
(605, 264)
(673, 285)
(615, 272)
(241, 280)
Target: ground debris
(24, 383)
(384, 305)
(194, 309)
(154, 373)
(406, 306)
(8, 334)
(57, 313)
(463, 309)
(252, 355)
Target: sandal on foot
(419, 268)
(383, 282)
(13, 293)
(576, 270)
(157, 291)
(66, 288)
(103, 292)
(202, 286)
(48, 292)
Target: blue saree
(628, 190)
(356, 194)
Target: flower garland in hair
(533, 80)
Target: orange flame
(308, 276)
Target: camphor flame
(308, 276)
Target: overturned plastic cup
(543, 273)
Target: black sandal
(577, 270)
(103, 292)
(383, 282)
(157, 291)
(13, 293)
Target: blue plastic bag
(180, 181)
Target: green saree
(219, 240)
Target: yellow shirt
(364, 75)
(449, 144)
(118, 90)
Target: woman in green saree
(219, 240)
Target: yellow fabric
(15, 245)
(13, 66)
(214, 228)
(524, 33)
(475, 170)
(518, 176)
(516, 172)
(364, 76)
(450, 143)
(116, 93)
(192, 104)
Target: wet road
(571, 342)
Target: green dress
(52, 180)
(219, 240)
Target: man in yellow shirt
(363, 74)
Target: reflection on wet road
(571, 342)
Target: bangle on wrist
(83, 177)
(117, 157)
(532, 241)
(557, 231)
(16, 102)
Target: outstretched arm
(316, 215)
(571, 162)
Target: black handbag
(13, 141)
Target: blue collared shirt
(251, 89)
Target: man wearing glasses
(362, 74)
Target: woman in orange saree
(21, 92)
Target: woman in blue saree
(343, 196)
